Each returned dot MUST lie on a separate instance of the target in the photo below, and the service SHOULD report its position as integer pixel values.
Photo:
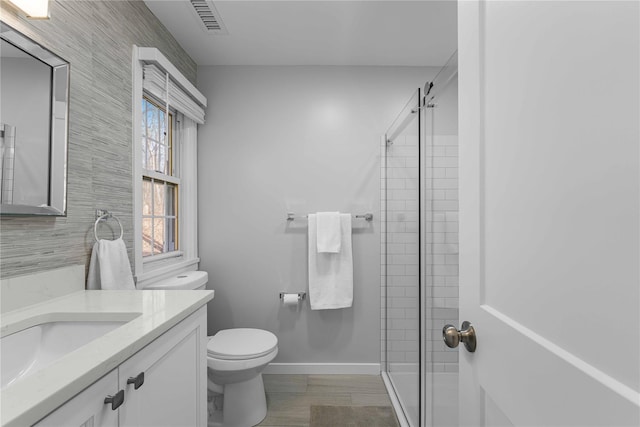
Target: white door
(549, 212)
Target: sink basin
(29, 350)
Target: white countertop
(30, 399)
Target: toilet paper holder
(301, 295)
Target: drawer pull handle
(137, 381)
(116, 400)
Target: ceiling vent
(209, 16)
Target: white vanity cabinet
(87, 409)
(174, 391)
(164, 384)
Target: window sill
(150, 261)
(159, 270)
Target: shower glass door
(420, 253)
(439, 219)
(401, 250)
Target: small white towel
(328, 232)
(331, 274)
(109, 267)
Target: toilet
(235, 361)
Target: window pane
(161, 158)
(147, 200)
(172, 234)
(147, 237)
(157, 157)
(159, 198)
(151, 155)
(152, 122)
(143, 146)
(170, 205)
(165, 160)
(144, 122)
(159, 236)
(158, 142)
(157, 161)
(162, 125)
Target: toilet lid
(241, 343)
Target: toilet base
(245, 404)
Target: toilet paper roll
(290, 299)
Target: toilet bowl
(235, 361)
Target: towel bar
(291, 216)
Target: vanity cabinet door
(87, 409)
(165, 383)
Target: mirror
(34, 111)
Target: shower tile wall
(399, 249)
(7, 160)
(400, 253)
(441, 248)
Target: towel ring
(106, 216)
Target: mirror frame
(58, 140)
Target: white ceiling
(307, 32)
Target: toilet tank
(189, 280)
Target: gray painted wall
(301, 139)
(96, 38)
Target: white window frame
(158, 267)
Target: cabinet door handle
(115, 400)
(137, 381)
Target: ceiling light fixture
(34, 9)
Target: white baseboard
(323, 368)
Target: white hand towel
(109, 267)
(329, 235)
(331, 274)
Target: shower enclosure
(7, 162)
(420, 253)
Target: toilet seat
(241, 344)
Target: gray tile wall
(96, 37)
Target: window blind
(154, 82)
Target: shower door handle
(453, 336)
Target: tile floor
(289, 397)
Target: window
(167, 110)
(160, 181)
